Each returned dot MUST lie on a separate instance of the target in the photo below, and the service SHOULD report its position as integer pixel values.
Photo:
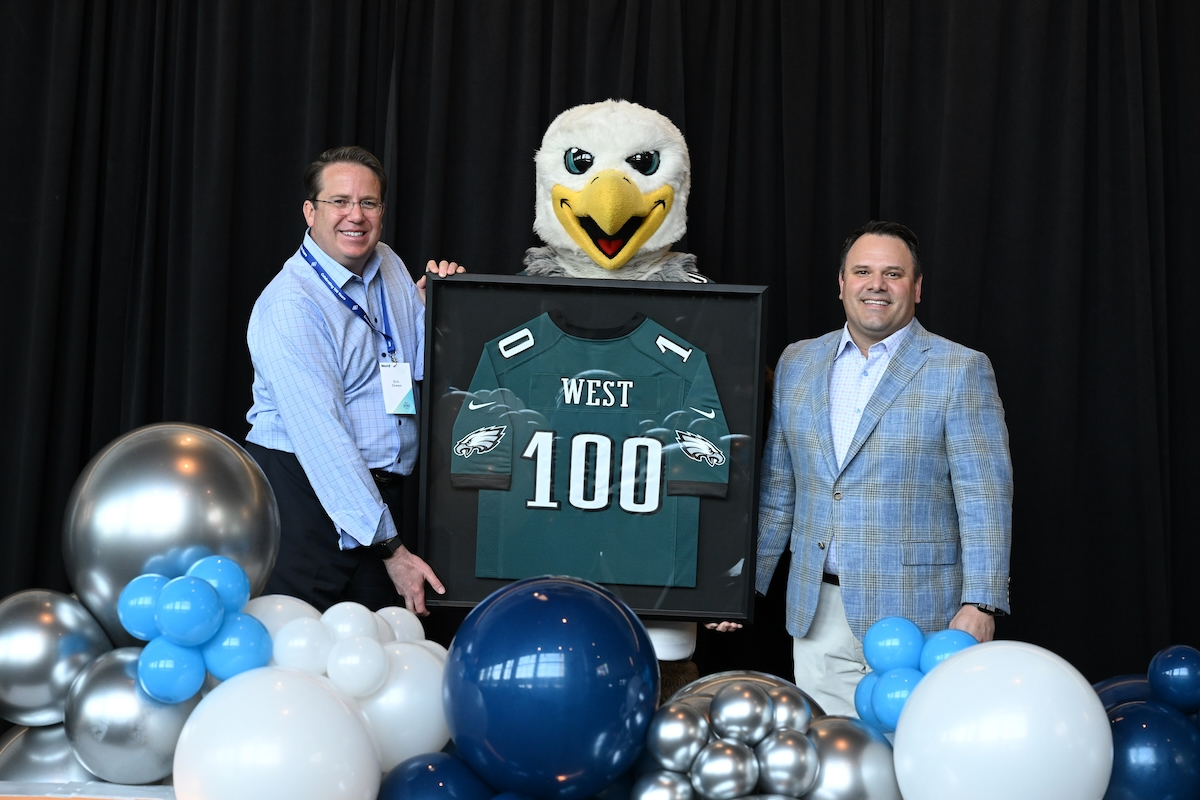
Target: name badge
(398, 395)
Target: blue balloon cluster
(899, 655)
(1156, 742)
(193, 625)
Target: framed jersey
(609, 430)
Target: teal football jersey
(591, 450)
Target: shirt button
(837, 495)
(821, 545)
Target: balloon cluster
(750, 737)
(899, 655)
(1155, 739)
(194, 626)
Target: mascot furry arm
(612, 188)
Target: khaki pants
(829, 660)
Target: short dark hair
(348, 154)
(880, 228)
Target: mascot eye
(645, 163)
(577, 161)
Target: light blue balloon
(170, 673)
(893, 642)
(862, 698)
(138, 603)
(241, 643)
(189, 611)
(942, 645)
(227, 577)
(891, 693)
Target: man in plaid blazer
(887, 473)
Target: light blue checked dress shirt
(317, 390)
(851, 384)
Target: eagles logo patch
(481, 440)
(697, 448)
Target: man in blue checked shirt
(337, 340)
(886, 471)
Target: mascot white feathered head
(612, 188)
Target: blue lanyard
(349, 303)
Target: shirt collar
(889, 344)
(339, 273)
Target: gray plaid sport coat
(922, 506)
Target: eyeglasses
(343, 205)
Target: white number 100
(589, 484)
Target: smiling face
(348, 237)
(879, 289)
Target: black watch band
(388, 547)
(991, 611)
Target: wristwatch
(388, 547)
(991, 611)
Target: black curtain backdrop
(1046, 151)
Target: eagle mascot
(612, 188)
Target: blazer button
(837, 495)
(821, 545)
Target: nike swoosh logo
(708, 414)
(475, 406)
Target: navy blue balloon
(433, 776)
(1174, 677)
(1156, 753)
(1122, 689)
(137, 604)
(549, 688)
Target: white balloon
(303, 644)
(386, 634)
(275, 733)
(276, 610)
(404, 623)
(348, 619)
(406, 713)
(435, 648)
(357, 665)
(1002, 720)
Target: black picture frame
(464, 312)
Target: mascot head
(612, 185)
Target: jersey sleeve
(698, 459)
(481, 456)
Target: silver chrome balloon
(856, 761)
(662, 785)
(724, 770)
(709, 684)
(117, 730)
(676, 735)
(791, 708)
(41, 755)
(741, 711)
(156, 500)
(787, 763)
(46, 639)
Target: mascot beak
(610, 219)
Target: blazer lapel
(902, 367)
(823, 365)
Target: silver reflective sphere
(787, 763)
(117, 730)
(724, 770)
(675, 736)
(662, 785)
(741, 710)
(791, 709)
(709, 684)
(157, 499)
(40, 755)
(46, 639)
(856, 761)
